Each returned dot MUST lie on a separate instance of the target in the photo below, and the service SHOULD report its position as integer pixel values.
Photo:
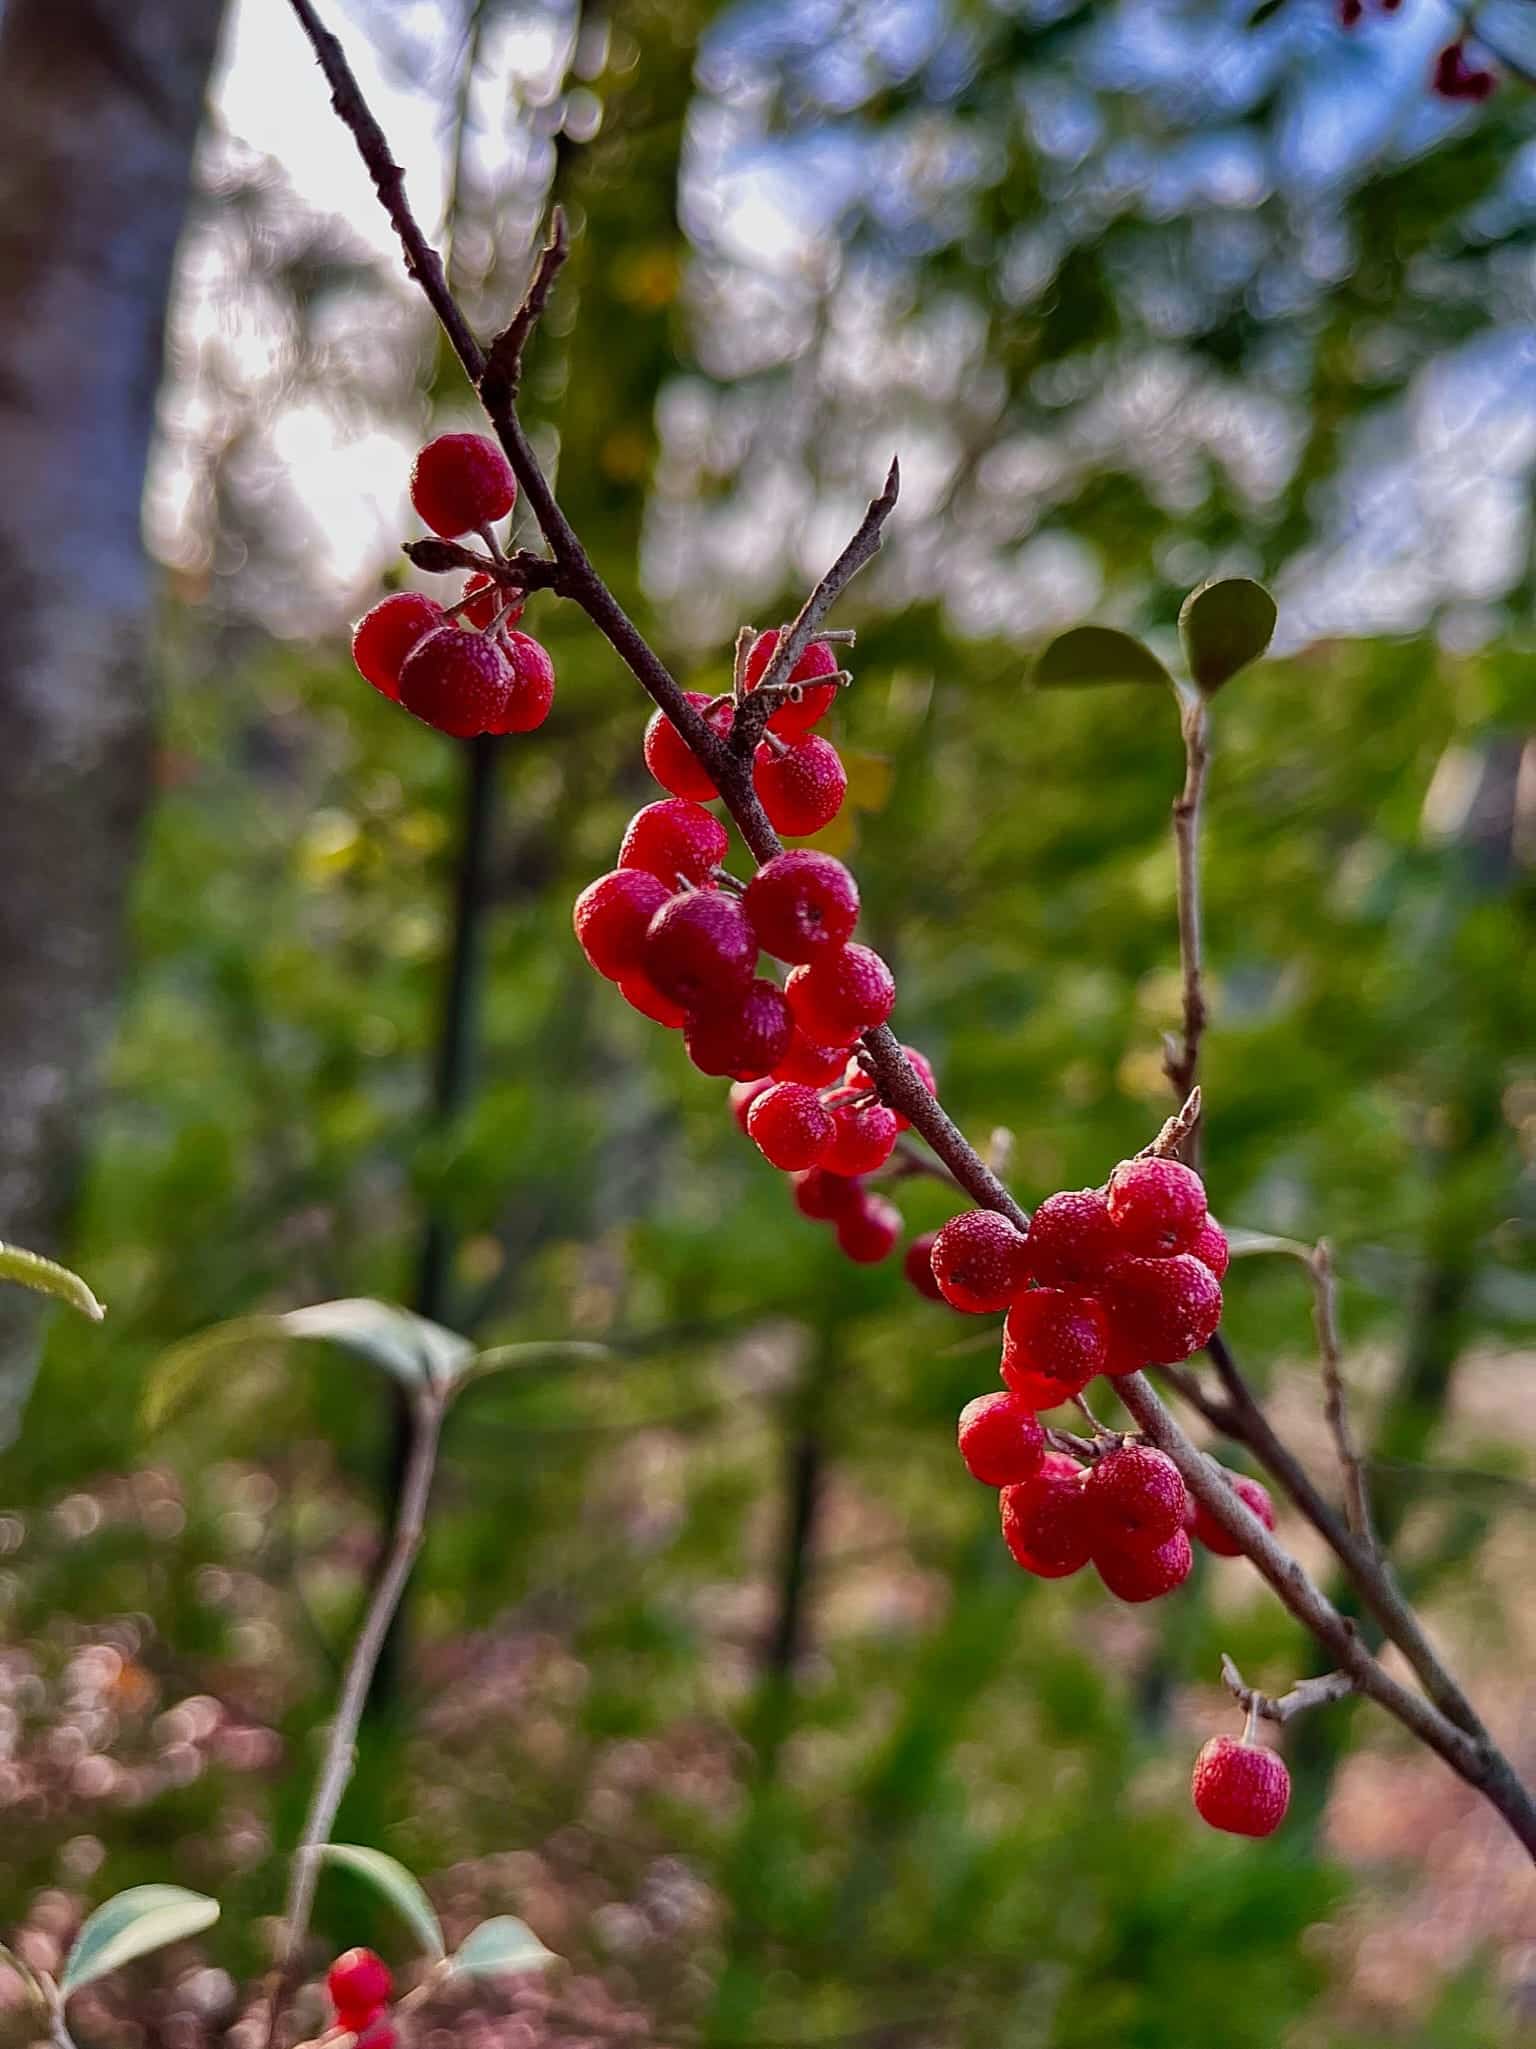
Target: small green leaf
(47, 1277)
(1224, 626)
(144, 1918)
(1097, 654)
(391, 1879)
(533, 1353)
(499, 1947)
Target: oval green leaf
(499, 1947)
(145, 1918)
(1097, 654)
(390, 1878)
(1224, 626)
(47, 1277)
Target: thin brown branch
(1306, 1693)
(1178, 1127)
(1325, 1313)
(1181, 1062)
(503, 372)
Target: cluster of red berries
(1455, 76)
(360, 1986)
(462, 668)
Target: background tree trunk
(100, 103)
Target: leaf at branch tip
(145, 1918)
(1224, 626)
(1097, 654)
(499, 1947)
(47, 1277)
(390, 1878)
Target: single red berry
(863, 1139)
(825, 1197)
(1211, 1248)
(672, 761)
(1045, 1520)
(457, 681)
(674, 839)
(1240, 1787)
(1156, 1206)
(1162, 1309)
(805, 1061)
(1000, 1440)
(460, 483)
(533, 685)
(839, 995)
(641, 993)
(493, 601)
(867, 1231)
(802, 903)
(743, 1035)
(359, 1982)
(383, 637)
(611, 917)
(743, 1094)
(978, 1261)
(917, 1265)
(1071, 1239)
(1137, 1497)
(791, 1127)
(1055, 1335)
(701, 947)
(801, 789)
(816, 697)
(1144, 1572)
(1255, 1497)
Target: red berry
(814, 1065)
(791, 1126)
(1071, 1239)
(1255, 1497)
(1054, 1335)
(743, 1094)
(802, 903)
(383, 637)
(1211, 1248)
(816, 698)
(1142, 1573)
(359, 1982)
(611, 917)
(1163, 1309)
(460, 483)
(1240, 1787)
(495, 598)
(841, 994)
(978, 1261)
(825, 1197)
(863, 1139)
(801, 789)
(1156, 1206)
(701, 947)
(743, 1035)
(868, 1230)
(672, 761)
(641, 993)
(1000, 1440)
(1045, 1520)
(533, 685)
(457, 681)
(917, 1265)
(674, 839)
(1137, 1497)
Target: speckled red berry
(1071, 1239)
(863, 1138)
(825, 1197)
(917, 1265)
(978, 1262)
(641, 993)
(458, 681)
(460, 483)
(791, 1127)
(384, 636)
(1058, 1336)
(359, 1982)
(1144, 1572)
(805, 1061)
(611, 917)
(700, 947)
(743, 1094)
(1156, 1206)
(675, 839)
(1211, 1248)
(743, 1035)
(1000, 1440)
(1240, 1787)
(1137, 1498)
(801, 789)
(867, 1230)
(532, 690)
(803, 903)
(1255, 1497)
(1045, 1519)
(493, 600)
(669, 757)
(840, 995)
(1163, 1309)
(816, 697)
